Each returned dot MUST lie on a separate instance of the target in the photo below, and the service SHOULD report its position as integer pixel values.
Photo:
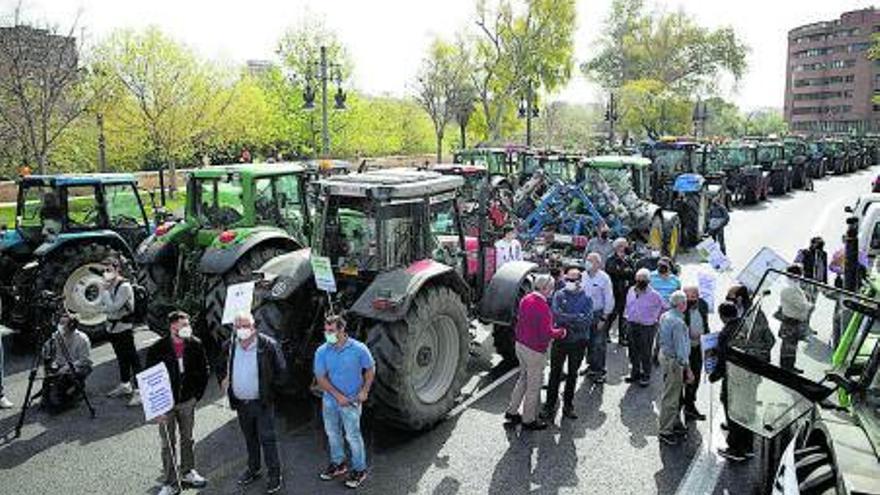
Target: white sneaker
(194, 479)
(135, 400)
(168, 490)
(5, 403)
(120, 390)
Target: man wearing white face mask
(184, 357)
(255, 369)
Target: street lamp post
(102, 143)
(611, 117)
(323, 72)
(527, 110)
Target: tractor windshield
(218, 201)
(671, 161)
(769, 153)
(32, 203)
(791, 330)
(733, 157)
(278, 201)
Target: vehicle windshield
(38, 203)
(671, 161)
(360, 236)
(792, 325)
(734, 157)
(769, 153)
(218, 202)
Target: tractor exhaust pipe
(851, 253)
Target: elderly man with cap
(675, 351)
(534, 331)
(597, 285)
(621, 268)
(643, 309)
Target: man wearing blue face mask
(344, 369)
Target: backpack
(137, 314)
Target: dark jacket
(724, 340)
(574, 312)
(622, 272)
(272, 369)
(192, 382)
(703, 309)
(718, 217)
(815, 263)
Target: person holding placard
(254, 369)
(184, 357)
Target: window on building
(859, 47)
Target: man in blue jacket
(572, 310)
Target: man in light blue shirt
(244, 368)
(674, 343)
(344, 369)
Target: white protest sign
(709, 349)
(239, 299)
(707, 282)
(155, 389)
(323, 272)
(764, 260)
(710, 251)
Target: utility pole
(611, 117)
(529, 113)
(325, 129)
(102, 144)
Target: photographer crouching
(68, 364)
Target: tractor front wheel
(216, 285)
(421, 360)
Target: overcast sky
(387, 38)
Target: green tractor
(236, 218)
(772, 158)
(798, 156)
(516, 163)
(65, 226)
(747, 182)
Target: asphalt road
(611, 448)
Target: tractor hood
(687, 183)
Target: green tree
(650, 108)
(520, 44)
(667, 47)
(173, 99)
(765, 122)
(565, 125)
(442, 85)
(724, 118)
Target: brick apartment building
(829, 80)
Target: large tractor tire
(216, 285)
(75, 272)
(421, 360)
(672, 237)
(158, 281)
(504, 336)
(816, 474)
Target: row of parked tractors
(411, 250)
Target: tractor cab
(815, 405)
(516, 163)
(747, 182)
(498, 195)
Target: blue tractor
(65, 226)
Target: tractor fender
(219, 260)
(104, 236)
(499, 180)
(500, 299)
(286, 273)
(397, 289)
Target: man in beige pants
(534, 331)
(674, 343)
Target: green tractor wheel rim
(81, 294)
(436, 359)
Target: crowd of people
(659, 321)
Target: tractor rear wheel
(816, 474)
(157, 280)
(655, 234)
(216, 285)
(421, 361)
(75, 273)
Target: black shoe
(273, 485)
(668, 438)
(248, 477)
(512, 418)
(694, 414)
(631, 379)
(798, 371)
(723, 426)
(333, 471)
(644, 382)
(731, 455)
(536, 425)
(568, 412)
(355, 479)
(599, 377)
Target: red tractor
(411, 281)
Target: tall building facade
(830, 83)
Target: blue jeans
(348, 419)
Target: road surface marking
(480, 394)
(702, 475)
